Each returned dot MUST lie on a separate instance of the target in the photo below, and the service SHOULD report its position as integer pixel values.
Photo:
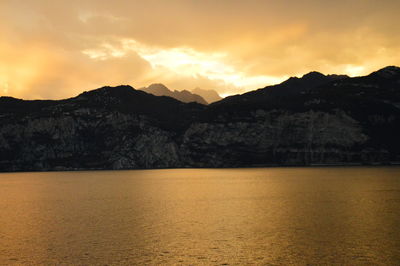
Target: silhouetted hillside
(280, 94)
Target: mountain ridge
(315, 119)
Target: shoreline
(314, 165)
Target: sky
(54, 49)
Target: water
(277, 216)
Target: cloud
(185, 63)
(57, 49)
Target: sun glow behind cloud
(17, 72)
(353, 70)
(186, 62)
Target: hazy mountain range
(209, 95)
(198, 95)
(315, 119)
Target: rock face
(310, 120)
(75, 140)
(275, 137)
(185, 96)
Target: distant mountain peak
(159, 89)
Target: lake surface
(267, 216)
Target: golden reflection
(280, 216)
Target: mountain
(183, 96)
(287, 90)
(209, 95)
(315, 119)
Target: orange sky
(57, 49)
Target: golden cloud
(56, 49)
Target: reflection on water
(202, 216)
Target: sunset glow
(57, 50)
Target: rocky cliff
(310, 120)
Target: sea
(252, 216)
